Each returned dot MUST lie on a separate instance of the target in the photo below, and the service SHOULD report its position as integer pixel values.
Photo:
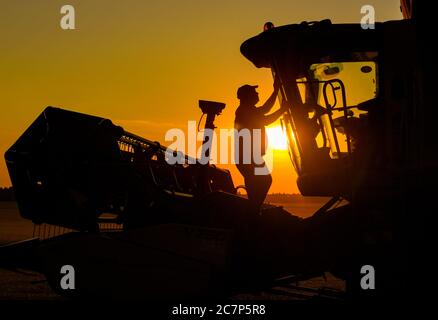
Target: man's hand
(270, 118)
(267, 106)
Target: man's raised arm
(267, 106)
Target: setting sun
(276, 138)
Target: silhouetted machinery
(68, 168)
(359, 127)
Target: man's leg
(257, 186)
(262, 185)
(247, 171)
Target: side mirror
(211, 107)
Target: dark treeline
(7, 194)
(282, 197)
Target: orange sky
(144, 64)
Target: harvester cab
(340, 84)
(359, 126)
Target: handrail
(332, 108)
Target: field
(25, 285)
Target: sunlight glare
(276, 138)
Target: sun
(276, 138)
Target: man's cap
(244, 90)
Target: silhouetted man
(250, 117)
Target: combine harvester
(359, 126)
